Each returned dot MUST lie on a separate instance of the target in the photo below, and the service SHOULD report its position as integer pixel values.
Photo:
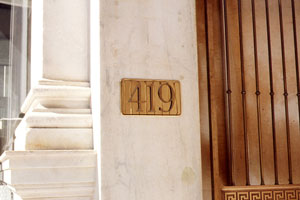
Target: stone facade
(74, 142)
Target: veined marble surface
(149, 157)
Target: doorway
(249, 84)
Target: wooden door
(249, 86)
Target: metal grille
(262, 91)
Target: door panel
(251, 98)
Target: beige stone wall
(149, 157)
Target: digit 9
(171, 99)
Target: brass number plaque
(150, 97)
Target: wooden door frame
(211, 92)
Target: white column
(60, 40)
(54, 157)
(57, 108)
(66, 40)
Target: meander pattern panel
(264, 194)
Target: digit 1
(151, 92)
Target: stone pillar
(149, 157)
(54, 157)
(60, 40)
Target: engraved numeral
(150, 97)
(171, 98)
(137, 91)
(151, 92)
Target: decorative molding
(284, 192)
(51, 93)
(63, 83)
(57, 117)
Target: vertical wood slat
(282, 170)
(227, 90)
(243, 92)
(295, 141)
(256, 144)
(216, 84)
(292, 89)
(266, 153)
(205, 130)
(234, 68)
(286, 80)
(275, 163)
(251, 105)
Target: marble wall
(149, 157)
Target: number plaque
(150, 97)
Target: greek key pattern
(263, 194)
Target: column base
(58, 117)
(43, 175)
